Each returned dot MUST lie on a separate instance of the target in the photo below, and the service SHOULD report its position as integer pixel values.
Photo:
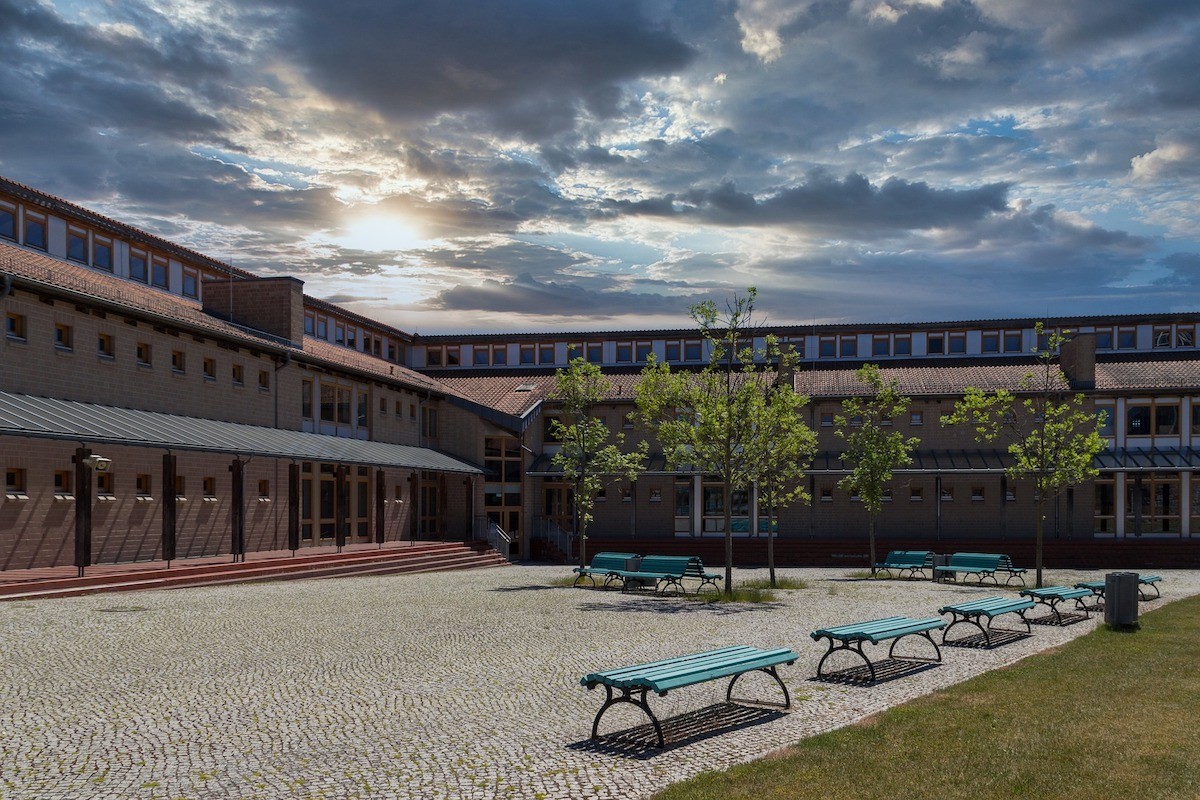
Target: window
(391, 352)
(14, 484)
(8, 221)
(143, 354)
(210, 488)
(673, 350)
(399, 408)
(1105, 415)
(881, 346)
(64, 485)
(14, 326)
(595, 352)
(990, 342)
(916, 494)
(1162, 336)
(382, 406)
(1012, 341)
(1196, 421)
(191, 283)
(1137, 420)
(77, 245)
(180, 487)
(849, 346)
(104, 346)
(35, 230)
(902, 345)
(935, 344)
(429, 422)
(361, 409)
(957, 343)
(481, 356)
(264, 489)
(160, 274)
(528, 354)
(264, 380)
(1185, 336)
(499, 355)
(916, 418)
(137, 266)
(178, 362)
(549, 430)
(306, 399)
(310, 324)
(692, 351)
(826, 494)
(1127, 338)
(352, 337)
(826, 419)
(339, 332)
(210, 369)
(827, 347)
(887, 495)
(433, 356)
(322, 328)
(977, 493)
(63, 336)
(1166, 419)
(453, 357)
(642, 352)
(1104, 338)
(102, 254)
(104, 485)
(239, 375)
(142, 484)
(624, 352)
(546, 354)
(792, 344)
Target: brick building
(236, 413)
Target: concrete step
(400, 562)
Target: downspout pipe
(6, 283)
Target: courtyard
(445, 685)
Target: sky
(539, 165)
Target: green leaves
(873, 448)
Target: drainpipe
(278, 512)
(5, 286)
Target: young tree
(873, 448)
(1055, 438)
(588, 459)
(780, 445)
(705, 420)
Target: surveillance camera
(98, 463)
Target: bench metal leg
(635, 697)
(924, 634)
(1016, 575)
(1142, 594)
(974, 620)
(704, 583)
(851, 647)
(787, 698)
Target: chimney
(1078, 360)
(268, 305)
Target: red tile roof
(917, 380)
(1147, 374)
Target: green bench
(603, 564)
(632, 684)
(911, 561)
(852, 637)
(1097, 588)
(972, 611)
(665, 572)
(983, 565)
(1051, 596)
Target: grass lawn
(1108, 715)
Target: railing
(549, 530)
(486, 530)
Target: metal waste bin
(1121, 599)
(939, 560)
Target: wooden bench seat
(633, 683)
(605, 564)
(972, 611)
(984, 565)
(1051, 596)
(911, 561)
(852, 637)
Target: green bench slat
(1061, 592)
(880, 629)
(989, 606)
(673, 673)
(606, 562)
(906, 559)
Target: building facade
(155, 403)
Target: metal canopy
(1153, 459)
(47, 418)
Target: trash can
(939, 560)
(1121, 599)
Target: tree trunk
(579, 532)
(1038, 540)
(871, 549)
(728, 540)
(771, 544)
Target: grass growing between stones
(780, 583)
(1107, 715)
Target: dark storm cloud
(825, 202)
(524, 294)
(532, 64)
(1185, 270)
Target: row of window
(544, 354)
(106, 349)
(1150, 418)
(332, 329)
(16, 486)
(343, 405)
(91, 248)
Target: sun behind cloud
(379, 234)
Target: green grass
(780, 583)
(1107, 715)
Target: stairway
(422, 557)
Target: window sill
(144, 498)
(17, 339)
(210, 378)
(267, 500)
(58, 348)
(106, 498)
(59, 497)
(16, 496)
(105, 358)
(210, 499)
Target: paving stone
(442, 685)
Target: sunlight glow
(379, 234)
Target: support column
(293, 507)
(697, 505)
(1119, 502)
(83, 509)
(237, 513)
(170, 469)
(380, 507)
(342, 492)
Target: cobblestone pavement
(447, 685)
